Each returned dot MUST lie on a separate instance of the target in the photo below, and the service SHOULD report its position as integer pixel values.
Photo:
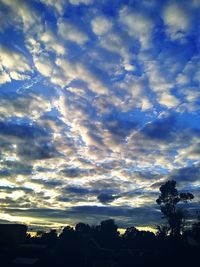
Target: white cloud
(195, 3)
(43, 65)
(22, 12)
(13, 60)
(59, 5)
(157, 81)
(169, 100)
(77, 71)
(4, 77)
(13, 65)
(138, 26)
(191, 152)
(137, 96)
(146, 104)
(182, 79)
(33, 106)
(190, 101)
(128, 67)
(101, 25)
(70, 32)
(33, 46)
(114, 43)
(6, 18)
(177, 21)
(51, 43)
(78, 2)
(18, 76)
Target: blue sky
(99, 105)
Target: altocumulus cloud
(99, 105)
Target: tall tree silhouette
(168, 200)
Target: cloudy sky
(99, 105)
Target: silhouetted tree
(162, 230)
(168, 200)
(130, 233)
(50, 238)
(82, 228)
(196, 227)
(106, 233)
(67, 237)
(138, 239)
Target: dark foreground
(85, 246)
(41, 256)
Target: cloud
(123, 215)
(70, 32)
(119, 126)
(4, 77)
(51, 43)
(29, 104)
(71, 172)
(22, 12)
(47, 183)
(58, 5)
(11, 189)
(44, 65)
(169, 100)
(13, 65)
(191, 152)
(105, 198)
(6, 17)
(22, 134)
(186, 174)
(162, 128)
(13, 168)
(99, 106)
(78, 2)
(76, 190)
(177, 21)
(139, 26)
(116, 44)
(71, 71)
(25, 131)
(101, 25)
(38, 150)
(137, 93)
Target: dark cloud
(21, 129)
(158, 184)
(47, 183)
(75, 194)
(37, 150)
(174, 127)
(76, 190)
(108, 186)
(186, 174)
(21, 202)
(32, 140)
(9, 189)
(77, 172)
(71, 172)
(105, 198)
(127, 216)
(42, 169)
(4, 173)
(16, 167)
(64, 199)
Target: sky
(99, 106)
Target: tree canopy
(168, 202)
